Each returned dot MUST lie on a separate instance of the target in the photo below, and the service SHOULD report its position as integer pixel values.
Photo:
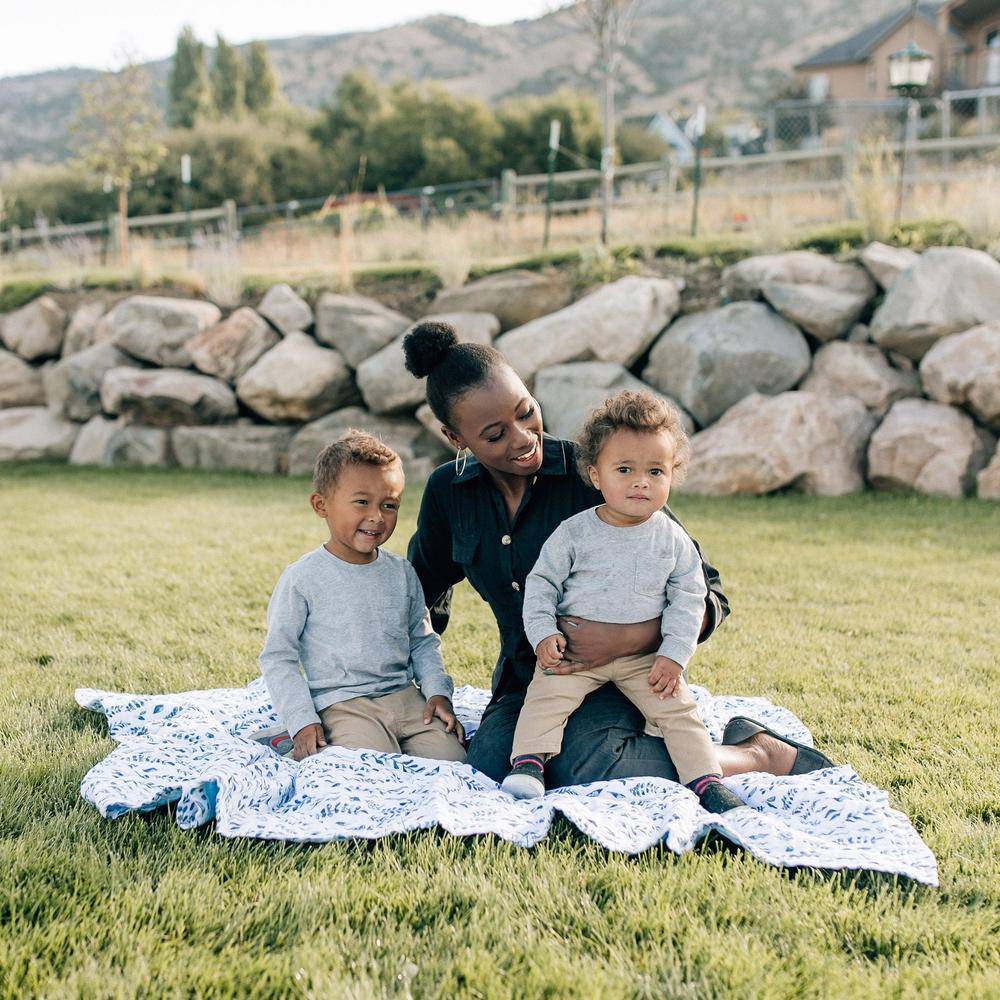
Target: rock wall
(813, 374)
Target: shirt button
(516, 585)
(505, 540)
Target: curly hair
(633, 411)
(353, 447)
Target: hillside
(725, 52)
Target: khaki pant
(393, 723)
(551, 699)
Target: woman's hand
(441, 708)
(593, 644)
(307, 741)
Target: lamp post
(909, 72)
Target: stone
(824, 312)
(117, 444)
(568, 394)
(386, 385)
(73, 385)
(859, 334)
(948, 290)
(927, 447)
(617, 322)
(82, 330)
(746, 279)
(297, 381)
(862, 371)
(356, 326)
(35, 432)
(418, 450)
(166, 397)
(964, 370)
(157, 329)
(988, 479)
(20, 383)
(708, 361)
(885, 263)
(242, 447)
(796, 440)
(287, 310)
(426, 417)
(230, 348)
(34, 331)
(514, 297)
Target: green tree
(261, 85)
(524, 131)
(117, 127)
(227, 80)
(638, 145)
(188, 90)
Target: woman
(485, 519)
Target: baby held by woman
(622, 561)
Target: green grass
(872, 617)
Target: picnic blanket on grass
(196, 749)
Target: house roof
(859, 46)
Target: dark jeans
(604, 739)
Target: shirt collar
(554, 461)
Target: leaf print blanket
(195, 749)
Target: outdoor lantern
(910, 69)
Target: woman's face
(501, 424)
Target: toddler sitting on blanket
(347, 629)
(623, 561)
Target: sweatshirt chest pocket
(651, 574)
(394, 616)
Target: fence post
(772, 129)
(231, 220)
(508, 191)
(15, 238)
(114, 230)
(848, 163)
(946, 130)
(981, 114)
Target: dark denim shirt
(464, 532)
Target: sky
(52, 34)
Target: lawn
(874, 618)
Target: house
(963, 36)
(672, 133)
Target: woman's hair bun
(426, 345)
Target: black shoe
(716, 798)
(525, 781)
(740, 728)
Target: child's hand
(550, 650)
(308, 740)
(440, 707)
(665, 677)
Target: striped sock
(529, 760)
(699, 785)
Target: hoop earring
(465, 459)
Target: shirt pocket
(651, 573)
(395, 616)
(463, 549)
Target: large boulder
(964, 369)
(82, 330)
(988, 480)
(166, 397)
(799, 440)
(230, 348)
(157, 329)
(286, 309)
(568, 394)
(20, 383)
(419, 451)
(927, 447)
(885, 264)
(386, 385)
(35, 331)
(824, 312)
(297, 381)
(514, 297)
(32, 432)
(118, 444)
(948, 290)
(73, 385)
(617, 322)
(356, 326)
(861, 371)
(242, 447)
(426, 417)
(709, 361)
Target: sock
(699, 785)
(529, 760)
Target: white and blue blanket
(195, 749)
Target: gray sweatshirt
(602, 573)
(357, 631)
